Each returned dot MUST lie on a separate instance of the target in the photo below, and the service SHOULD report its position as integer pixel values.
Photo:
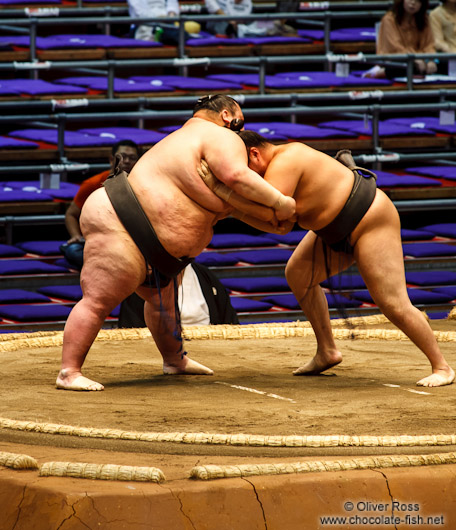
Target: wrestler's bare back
(320, 185)
(179, 205)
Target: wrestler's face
(129, 157)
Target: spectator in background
(154, 8)
(443, 24)
(74, 247)
(237, 28)
(405, 29)
(228, 28)
(202, 300)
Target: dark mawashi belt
(359, 201)
(137, 224)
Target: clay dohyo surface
(354, 398)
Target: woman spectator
(443, 24)
(406, 29)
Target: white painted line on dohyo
(418, 392)
(254, 391)
(407, 389)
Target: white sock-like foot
(440, 378)
(186, 366)
(77, 382)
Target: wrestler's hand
(250, 208)
(285, 207)
(220, 189)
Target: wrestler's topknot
(216, 103)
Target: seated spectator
(236, 28)
(405, 29)
(202, 299)
(228, 28)
(443, 24)
(74, 247)
(167, 33)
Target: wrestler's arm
(227, 157)
(283, 227)
(244, 206)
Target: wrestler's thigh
(308, 261)
(380, 260)
(113, 268)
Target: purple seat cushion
(95, 41)
(10, 251)
(277, 39)
(289, 301)
(391, 180)
(214, 259)
(420, 250)
(326, 79)
(10, 195)
(437, 315)
(72, 139)
(38, 87)
(442, 229)
(62, 262)
(353, 35)
(280, 130)
(292, 238)
(384, 129)
(35, 313)
(10, 2)
(115, 134)
(67, 190)
(120, 85)
(256, 285)
(66, 292)
(442, 277)
(245, 304)
(187, 83)
(14, 143)
(42, 248)
(240, 240)
(344, 281)
(18, 267)
(242, 79)
(215, 41)
(314, 34)
(258, 257)
(14, 296)
(444, 172)
(266, 131)
(415, 235)
(447, 291)
(417, 296)
(427, 122)
(341, 35)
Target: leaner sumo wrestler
(350, 221)
(141, 231)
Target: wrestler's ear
(225, 115)
(254, 154)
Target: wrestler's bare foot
(438, 378)
(320, 363)
(186, 366)
(68, 380)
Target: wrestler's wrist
(279, 202)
